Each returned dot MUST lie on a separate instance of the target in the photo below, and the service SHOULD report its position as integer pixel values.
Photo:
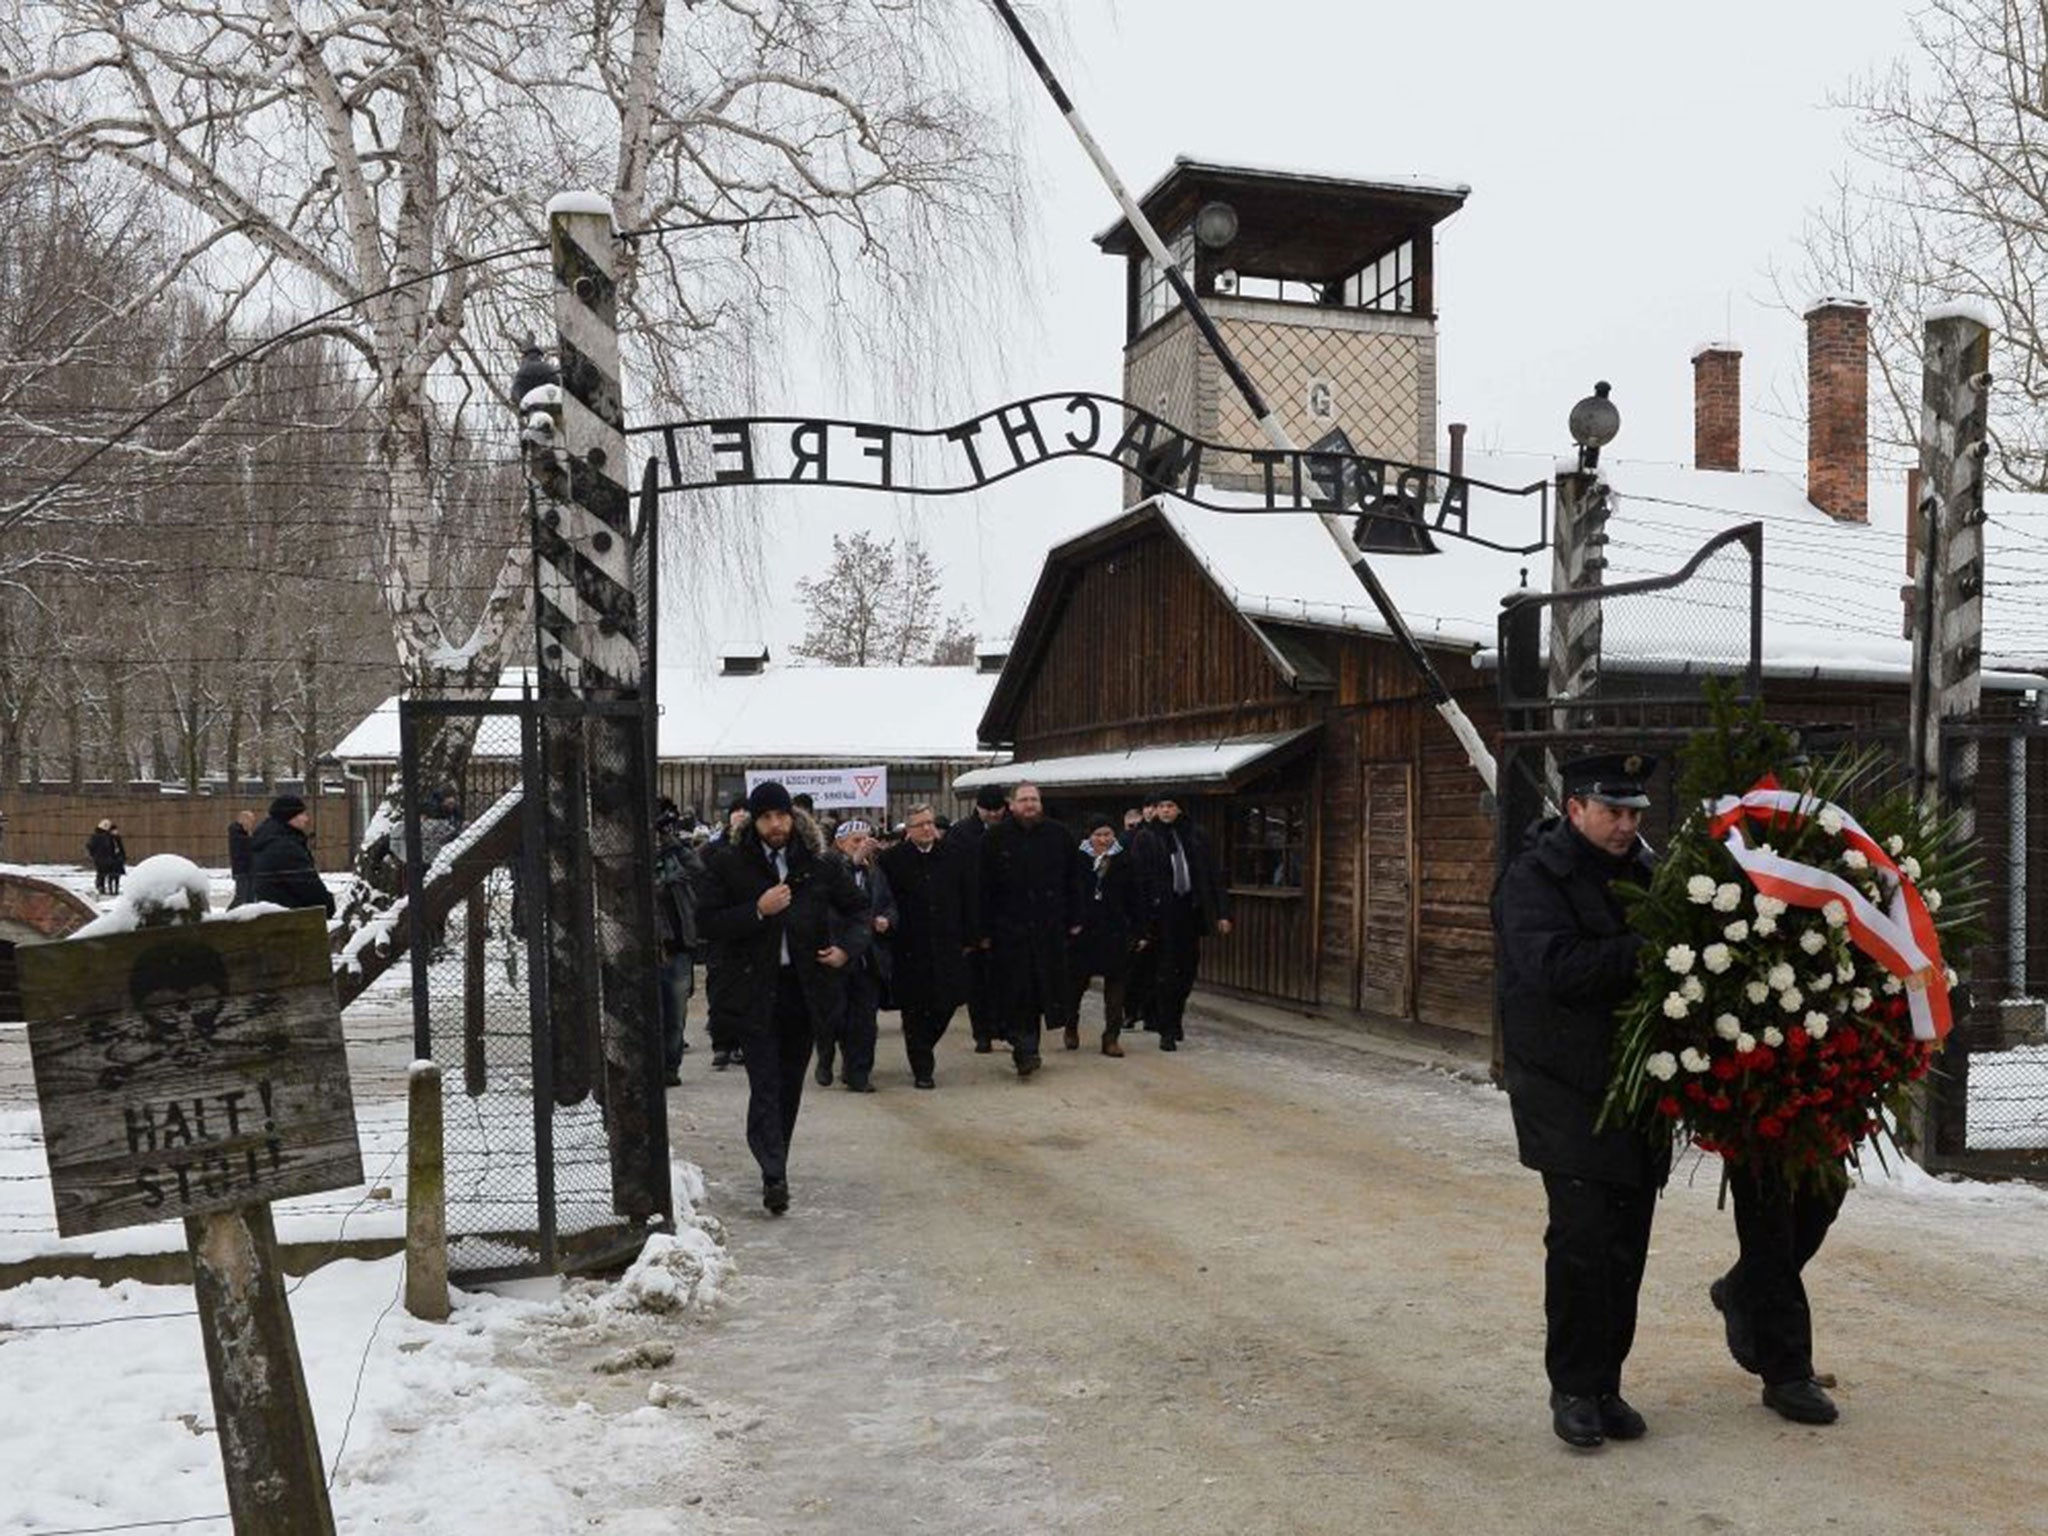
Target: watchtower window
(1156, 297)
(1387, 284)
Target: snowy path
(1270, 1285)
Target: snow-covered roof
(1831, 589)
(857, 714)
(1191, 763)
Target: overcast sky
(1637, 173)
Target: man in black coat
(238, 854)
(938, 923)
(1113, 927)
(1567, 961)
(281, 868)
(1031, 903)
(1187, 901)
(677, 870)
(984, 1015)
(783, 922)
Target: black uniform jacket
(938, 918)
(1567, 961)
(281, 868)
(1114, 916)
(825, 908)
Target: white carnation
(1836, 913)
(1745, 1042)
(1736, 931)
(1791, 1001)
(1728, 897)
(1853, 858)
(1896, 844)
(1845, 971)
(1813, 941)
(1816, 1025)
(1727, 1026)
(1693, 989)
(1716, 958)
(1933, 899)
(1700, 889)
(1780, 976)
(1820, 981)
(1774, 1036)
(1756, 991)
(1892, 986)
(1861, 999)
(1675, 1006)
(1831, 821)
(1662, 1065)
(1910, 867)
(1949, 975)
(1765, 927)
(1679, 958)
(1694, 1060)
(1769, 906)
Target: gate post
(1577, 561)
(603, 638)
(1948, 632)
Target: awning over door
(1212, 765)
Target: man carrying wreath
(1567, 962)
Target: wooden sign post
(198, 1071)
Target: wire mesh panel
(529, 1180)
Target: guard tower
(1323, 287)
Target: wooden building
(1234, 657)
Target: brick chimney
(1717, 406)
(1838, 408)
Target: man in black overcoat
(1187, 900)
(1031, 901)
(1568, 960)
(1113, 928)
(852, 1034)
(938, 927)
(984, 1016)
(783, 922)
(239, 831)
(281, 866)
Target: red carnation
(1726, 1068)
(1696, 1090)
(1720, 1104)
(1770, 1127)
(1668, 1106)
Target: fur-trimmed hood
(806, 827)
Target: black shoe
(1168, 1043)
(983, 1047)
(1026, 1065)
(925, 1081)
(775, 1195)
(859, 1085)
(1618, 1421)
(1577, 1421)
(739, 1056)
(672, 1078)
(720, 1060)
(1802, 1401)
(1741, 1335)
(824, 1072)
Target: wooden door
(1386, 948)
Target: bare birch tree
(317, 154)
(1949, 204)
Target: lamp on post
(1593, 425)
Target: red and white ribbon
(1900, 937)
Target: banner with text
(830, 789)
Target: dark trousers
(678, 981)
(1034, 988)
(1138, 985)
(1112, 1003)
(778, 1058)
(1594, 1248)
(241, 891)
(1779, 1225)
(853, 1030)
(984, 1016)
(1180, 953)
(923, 1029)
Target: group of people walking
(809, 930)
(1568, 961)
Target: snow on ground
(428, 1427)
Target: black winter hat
(990, 797)
(285, 807)
(768, 796)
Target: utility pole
(1948, 632)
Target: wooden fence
(50, 827)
